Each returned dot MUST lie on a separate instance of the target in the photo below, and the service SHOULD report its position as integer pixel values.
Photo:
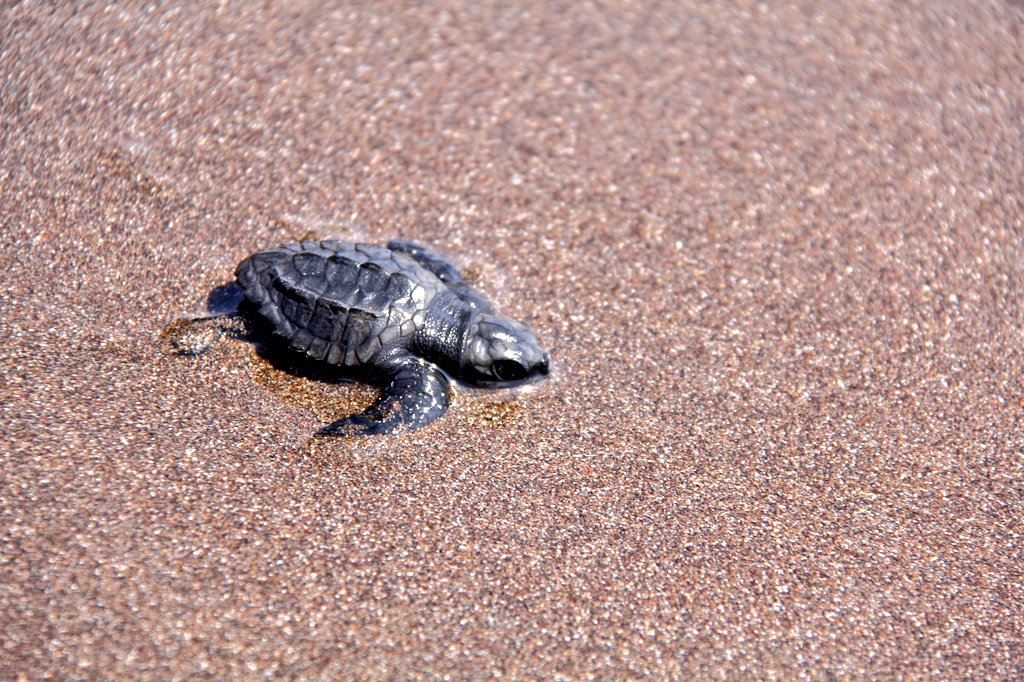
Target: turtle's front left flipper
(417, 395)
(444, 270)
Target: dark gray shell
(336, 301)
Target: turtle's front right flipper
(417, 395)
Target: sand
(775, 250)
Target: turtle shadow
(224, 299)
(277, 354)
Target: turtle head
(501, 352)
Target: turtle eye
(508, 370)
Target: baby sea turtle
(402, 317)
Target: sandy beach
(776, 253)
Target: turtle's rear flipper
(417, 395)
(196, 335)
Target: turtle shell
(336, 301)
